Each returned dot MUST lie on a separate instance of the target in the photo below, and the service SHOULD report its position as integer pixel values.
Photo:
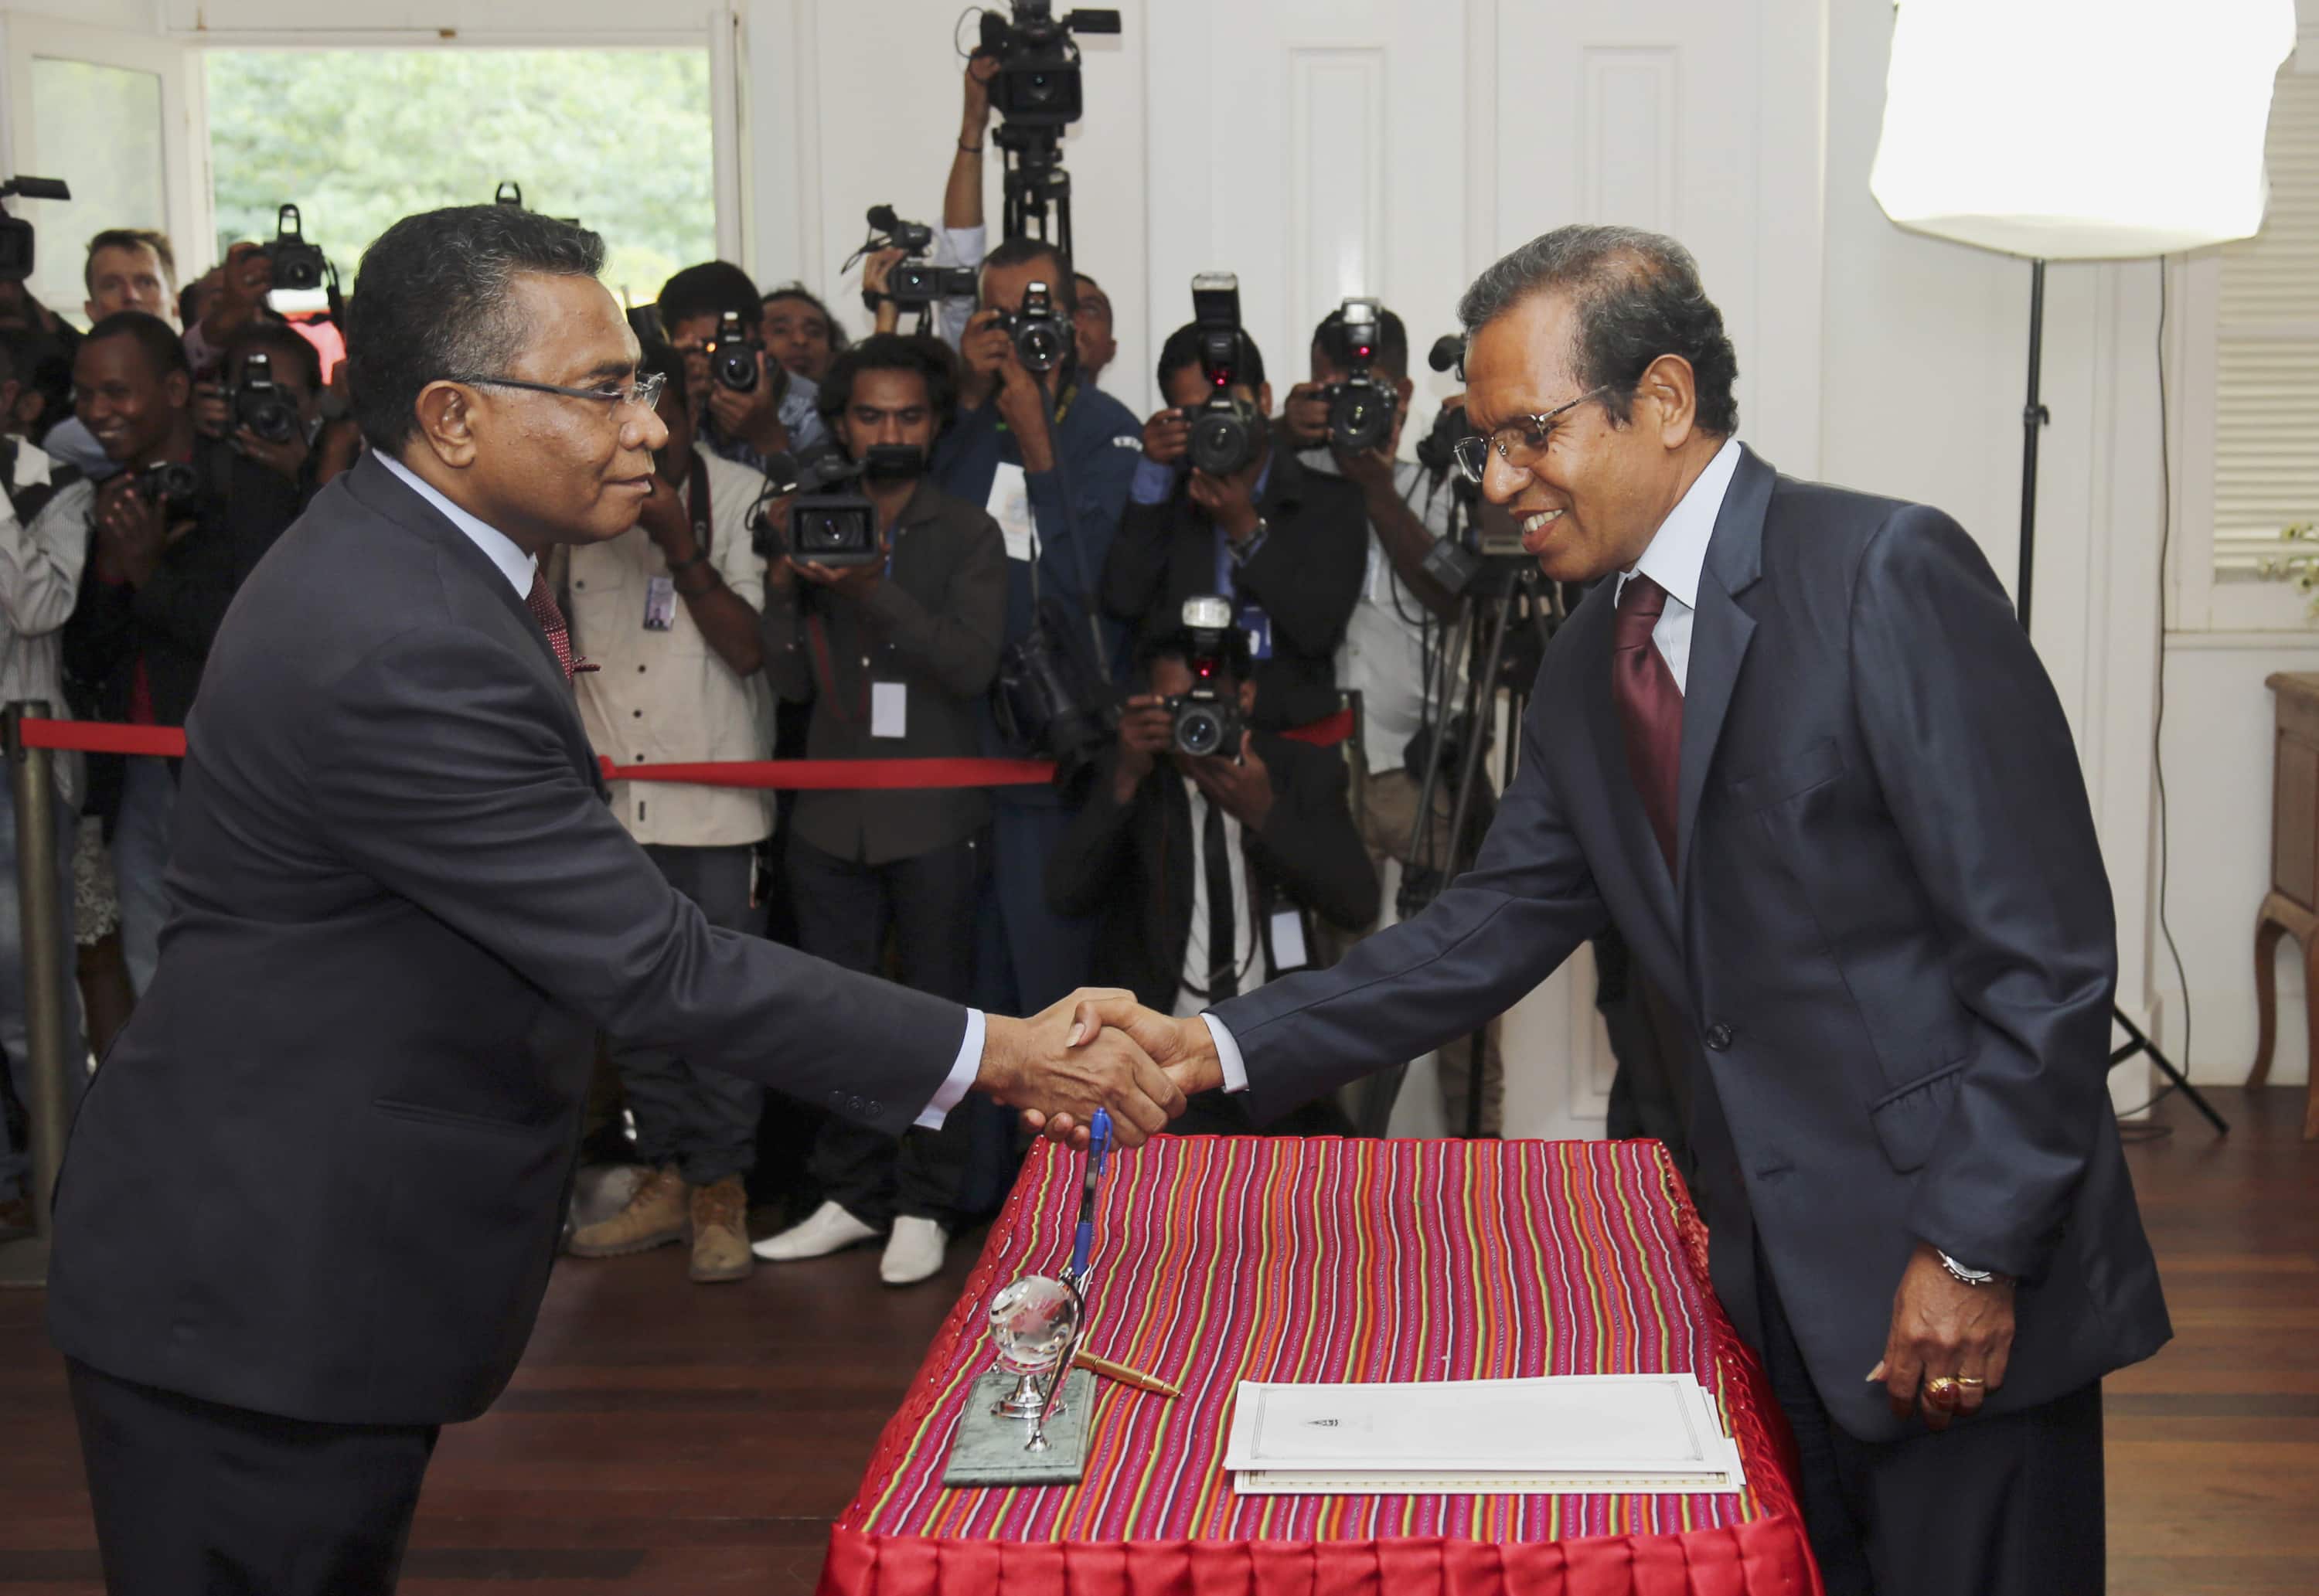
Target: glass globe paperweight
(1034, 1323)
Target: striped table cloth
(1223, 1259)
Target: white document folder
(1561, 1434)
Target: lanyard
(697, 501)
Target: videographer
(43, 542)
(1286, 546)
(668, 613)
(1207, 870)
(895, 653)
(963, 238)
(176, 531)
(774, 413)
(800, 332)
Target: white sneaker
(830, 1229)
(913, 1252)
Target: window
(620, 139)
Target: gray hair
(431, 303)
(1637, 296)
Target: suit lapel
(1721, 632)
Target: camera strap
(696, 503)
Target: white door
(118, 117)
(1322, 148)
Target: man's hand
(1306, 420)
(1146, 731)
(1185, 1050)
(131, 534)
(1058, 1072)
(243, 282)
(975, 120)
(877, 273)
(855, 581)
(285, 458)
(1241, 787)
(1166, 437)
(1942, 1327)
(754, 418)
(211, 415)
(664, 522)
(1229, 501)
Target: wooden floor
(662, 1437)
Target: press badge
(1259, 627)
(1010, 506)
(890, 709)
(660, 604)
(1286, 941)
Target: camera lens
(271, 420)
(1219, 444)
(822, 530)
(1198, 730)
(737, 367)
(1041, 346)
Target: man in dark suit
(309, 1204)
(1208, 869)
(1805, 758)
(1288, 547)
(895, 655)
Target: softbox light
(2077, 129)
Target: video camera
(1038, 81)
(733, 355)
(832, 522)
(1361, 408)
(260, 403)
(1484, 550)
(1207, 718)
(1042, 338)
(299, 267)
(15, 232)
(509, 193)
(915, 284)
(1226, 429)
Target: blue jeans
(141, 863)
(15, 1041)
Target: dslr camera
(1038, 80)
(915, 284)
(172, 484)
(298, 266)
(1207, 718)
(1226, 429)
(1361, 407)
(15, 232)
(1042, 338)
(733, 355)
(260, 403)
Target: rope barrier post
(31, 776)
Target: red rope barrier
(811, 775)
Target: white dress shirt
(520, 568)
(1677, 556)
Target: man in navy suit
(310, 1199)
(1800, 751)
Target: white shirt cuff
(961, 1075)
(1235, 1067)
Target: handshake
(1097, 1049)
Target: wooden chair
(2291, 907)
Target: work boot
(654, 1217)
(720, 1231)
(832, 1229)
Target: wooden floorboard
(665, 1437)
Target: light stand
(2033, 417)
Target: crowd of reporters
(1007, 504)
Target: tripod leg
(2139, 1043)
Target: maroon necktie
(542, 605)
(1650, 705)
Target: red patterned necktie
(542, 605)
(1650, 707)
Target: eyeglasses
(1520, 442)
(644, 392)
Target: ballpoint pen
(1083, 1244)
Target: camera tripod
(1036, 185)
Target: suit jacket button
(876, 1107)
(1718, 1036)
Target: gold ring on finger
(1941, 1389)
(1970, 1382)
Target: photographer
(1286, 546)
(895, 653)
(1207, 870)
(43, 542)
(176, 531)
(774, 414)
(1091, 326)
(800, 333)
(667, 612)
(316, 447)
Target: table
(2291, 907)
(1219, 1259)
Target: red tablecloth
(1219, 1260)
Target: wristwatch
(1965, 1276)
